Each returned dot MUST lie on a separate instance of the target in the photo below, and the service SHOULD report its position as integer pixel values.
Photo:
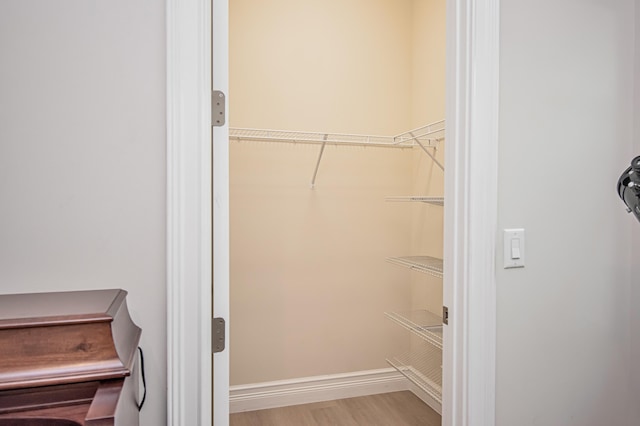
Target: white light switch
(514, 248)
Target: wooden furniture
(68, 359)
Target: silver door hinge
(218, 112)
(445, 315)
(218, 334)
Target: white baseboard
(283, 393)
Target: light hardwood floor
(389, 409)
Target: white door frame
(470, 214)
(471, 193)
(189, 212)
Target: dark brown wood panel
(67, 359)
(51, 308)
(78, 336)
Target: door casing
(197, 249)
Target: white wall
(635, 240)
(566, 121)
(82, 158)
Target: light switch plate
(514, 248)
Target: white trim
(283, 393)
(188, 213)
(471, 212)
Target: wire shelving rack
(422, 323)
(426, 138)
(426, 264)
(438, 201)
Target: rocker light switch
(513, 248)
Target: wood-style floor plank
(389, 409)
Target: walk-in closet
(337, 147)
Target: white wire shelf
(438, 201)
(432, 132)
(264, 135)
(424, 370)
(422, 323)
(424, 137)
(429, 135)
(426, 264)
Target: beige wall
(82, 159)
(428, 106)
(336, 66)
(309, 283)
(427, 61)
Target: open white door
(197, 191)
(220, 81)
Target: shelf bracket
(315, 172)
(415, 138)
(429, 154)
